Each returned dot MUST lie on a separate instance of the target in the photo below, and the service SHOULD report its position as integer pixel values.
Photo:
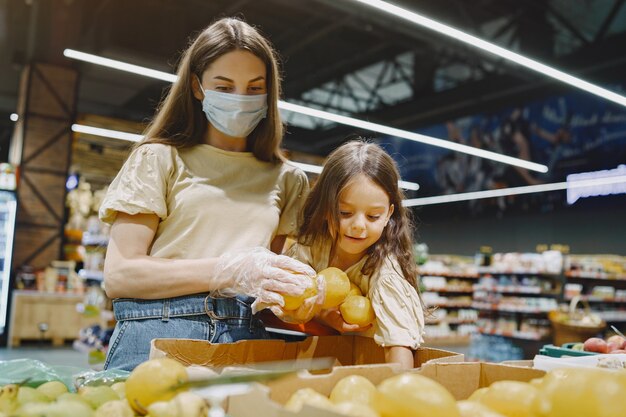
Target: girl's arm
(401, 355)
(129, 272)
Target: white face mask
(234, 114)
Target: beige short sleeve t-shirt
(399, 312)
(209, 201)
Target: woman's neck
(343, 260)
(224, 142)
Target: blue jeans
(199, 316)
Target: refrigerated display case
(8, 208)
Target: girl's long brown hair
(180, 121)
(321, 209)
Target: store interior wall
(598, 230)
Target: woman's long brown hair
(321, 209)
(180, 121)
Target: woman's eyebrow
(220, 77)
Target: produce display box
(565, 350)
(461, 379)
(347, 350)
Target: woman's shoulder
(157, 148)
(292, 177)
(291, 171)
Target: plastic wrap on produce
(33, 373)
(610, 361)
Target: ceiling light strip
(116, 134)
(416, 137)
(477, 195)
(496, 50)
(349, 121)
(119, 65)
(106, 133)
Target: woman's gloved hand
(309, 308)
(260, 273)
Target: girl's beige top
(399, 313)
(209, 201)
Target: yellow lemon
(511, 398)
(357, 309)
(353, 388)
(354, 409)
(412, 395)
(307, 396)
(354, 289)
(477, 395)
(292, 302)
(588, 392)
(337, 286)
(154, 380)
(474, 409)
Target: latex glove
(260, 273)
(332, 317)
(309, 308)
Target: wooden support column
(41, 147)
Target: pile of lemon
(151, 389)
(581, 392)
(340, 292)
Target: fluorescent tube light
(494, 49)
(119, 65)
(349, 121)
(14, 117)
(132, 137)
(106, 133)
(416, 137)
(572, 184)
(316, 169)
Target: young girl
(199, 202)
(354, 220)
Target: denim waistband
(189, 305)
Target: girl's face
(237, 72)
(364, 211)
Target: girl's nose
(358, 224)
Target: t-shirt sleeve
(399, 313)
(295, 192)
(301, 253)
(141, 185)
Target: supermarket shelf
(600, 299)
(451, 321)
(95, 240)
(496, 307)
(452, 340)
(451, 305)
(91, 274)
(612, 316)
(601, 276)
(448, 274)
(515, 289)
(451, 289)
(515, 335)
(491, 271)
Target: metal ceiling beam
(563, 21)
(617, 5)
(486, 95)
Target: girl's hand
(332, 317)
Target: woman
(199, 201)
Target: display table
(46, 316)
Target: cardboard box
(461, 379)
(348, 350)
